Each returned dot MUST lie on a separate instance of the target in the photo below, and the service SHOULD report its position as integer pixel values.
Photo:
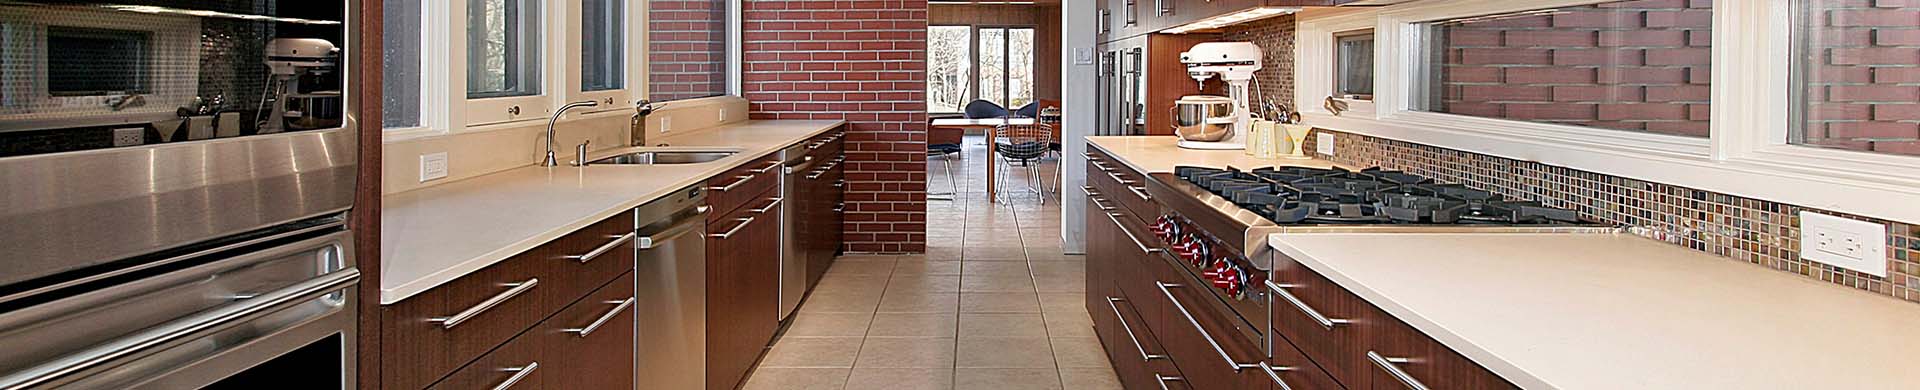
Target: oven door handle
(176, 330)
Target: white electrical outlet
(129, 136)
(666, 124)
(1845, 243)
(433, 166)
(1323, 143)
(723, 114)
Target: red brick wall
(686, 49)
(863, 61)
(1865, 84)
(1632, 65)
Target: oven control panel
(1231, 275)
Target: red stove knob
(1214, 270)
(1226, 277)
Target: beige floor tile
(1004, 352)
(1090, 378)
(926, 267)
(1002, 325)
(997, 283)
(829, 325)
(1006, 379)
(779, 378)
(1054, 255)
(999, 302)
(812, 352)
(850, 284)
(914, 325)
(921, 302)
(1060, 268)
(1066, 302)
(840, 303)
(1069, 324)
(993, 253)
(1062, 283)
(858, 267)
(906, 352)
(900, 379)
(992, 268)
(1079, 352)
(923, 284)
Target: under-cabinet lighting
(1251, 14)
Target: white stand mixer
(1235, 63)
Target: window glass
(1638, 66)
(1006, 66)
(97, 61)
(1859, 88)
(1019, 67)
(400, 63)
(687, 49)
(601, 31)
(949, 68)
(1355, 65)
(993, 65)
(503, 48)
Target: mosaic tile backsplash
(1756, 231)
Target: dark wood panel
(1425, 360)
(1336, 349)
(1167, 78)
(742, 307)
(364, 220)
(602, 359)
(499, 366)
(747, 182)
(1190, 335)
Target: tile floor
(992, 305)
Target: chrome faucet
(637, 130)
(550, 161)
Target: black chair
(979, 109)
(1031, 110)
(946, 153)
(1025, 144)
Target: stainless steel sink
(662, 157)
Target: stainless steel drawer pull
(1098, 201)
(1281, 289)
(1274, 374)
(1164, 289)
(840, 183)
(620, 306)
(1391, 366)
(743, 180)
(1144, 356)
(769, 207)
(1141, 192)
(736, 229)
(1136, 240)
(1163, 379)
(519, 373)
(496, 300)
(769, 168)
(603, 249)
(839, 207)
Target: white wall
(1077, 91)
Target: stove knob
(1213, 271)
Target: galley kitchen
(959, 195)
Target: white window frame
(575, 58)
(1746, 155)
(502, 110)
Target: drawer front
(446, 327)
(592, 341)
(1398, 357)
(1122, 184)
(1201, 340)
(1136, 355)
(1321, 319)
(1138, 258)
(741, 185)
(521, 364)
(1288, 368)
(827, 145)
(743, 267)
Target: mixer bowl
(1203, 118)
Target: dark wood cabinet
(588, 345)
(743, 305)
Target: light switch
(1845, 243)
(1323, 143)
(433, 166)
(1083, 56)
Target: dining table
(987, 124)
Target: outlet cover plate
(1323, 143)
(129, 136)
(433, 166)
(1846, 243)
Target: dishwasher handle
(688, 224)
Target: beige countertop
(1160, 153)
(437, 234)
(1617, 311)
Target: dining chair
(980, 109)
(945, 153)
(1025, 144)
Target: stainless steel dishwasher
(670, 290)
(793, 259)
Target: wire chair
(1025, 144)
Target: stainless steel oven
(174, 179)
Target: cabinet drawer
(1136, 355)
(827, 145)
(743, 307)
(1138, 256)
(1201, 340)
(1122, 185)
(517, 365)
(592, 342)
(444, 328)
(741, 185)
(1397, 356)
(1321, 319)
(1288, 368)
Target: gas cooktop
(1314, 196)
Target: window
(1354, 61)
(97, 61)
(503, 48)
(1858, 87)
(1622, 65)
(687, 49)
(949, 68)
(1006, 66)
(400, 63)
(602, 45)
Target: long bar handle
(736, 229)
(1097, 200)
(729, 187)
(1136, 240)
(1274, 374)
(519, 373)
(622, 305)
(603, 249)
(769, 168)
(1140, 192)
(657, 239)
(517, 288)
(769, 206)
(1163, 379)
(1391, 366)
(1237, 366)
(1144, 356)
(1281, 290)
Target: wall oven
(174, 180)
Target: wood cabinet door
(592, 342)
(743, 301)
(1397, 355)
(519, 364)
